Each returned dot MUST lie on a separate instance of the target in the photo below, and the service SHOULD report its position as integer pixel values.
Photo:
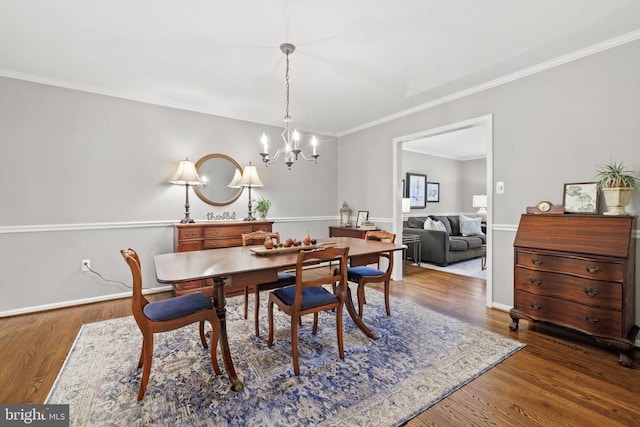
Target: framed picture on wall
(581, 198)
(433, 191)
(417, 190)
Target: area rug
(471, 268)
(420, 358)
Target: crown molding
(573, 56)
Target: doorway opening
(484, 126)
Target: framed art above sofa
(417, 190)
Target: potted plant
(617, 183)
(262, 207)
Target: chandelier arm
(272, 159)
(314, 157)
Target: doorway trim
(485, 121)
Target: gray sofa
(444, 247)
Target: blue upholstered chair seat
(311, 297)
(354, 274)
(173, 308)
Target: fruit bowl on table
(261, 250)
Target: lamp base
(186, 221)
(250, 218)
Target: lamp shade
(186, 174)
(480, 201)
(406, 205)
(250, 177)
(235, 182)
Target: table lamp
(406, 205)
(480, 201)
(186, 175)
(250, 179)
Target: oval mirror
(217, 170)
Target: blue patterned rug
(421, 357)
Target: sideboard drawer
(591, 320)
(596, 293)
(236, 230)
(583, 267)
(222, 243)
(188, 246)
(184, 288)
(189, 233)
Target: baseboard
(83, 301)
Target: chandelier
(290, 136)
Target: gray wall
(550, 128)
(474, 181)
(459, 181)
(83, 175)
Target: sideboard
(211, 235)
(578, 271)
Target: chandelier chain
(287, 117)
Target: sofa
(447, 238)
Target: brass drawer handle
(535, 282)
(591, 292)
(536, 261)
(536, 306)
(593, 269)
(591, 319)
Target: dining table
(246, 266)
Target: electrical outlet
(86, 265)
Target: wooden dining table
(245, 268)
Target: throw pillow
(428, 224)
(415, 222)
(445, 221)
(470, 226)
(437, 225)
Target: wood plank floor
(558, 379)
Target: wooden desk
(243, 266)
(336, 231)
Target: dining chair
(168, 315)
(284, 279)
(365, 274)
(309, 296)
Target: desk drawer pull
(536, 306)
(536, 261)
(592, 292)
(593, 269)
(591, 319)
(535, 282)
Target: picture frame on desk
(361, 218)
(417, 190)
(580, 198)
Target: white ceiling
(463, 144)
(357, 61)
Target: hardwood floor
(558, 379)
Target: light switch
(500, 187)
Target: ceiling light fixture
(290, 136)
